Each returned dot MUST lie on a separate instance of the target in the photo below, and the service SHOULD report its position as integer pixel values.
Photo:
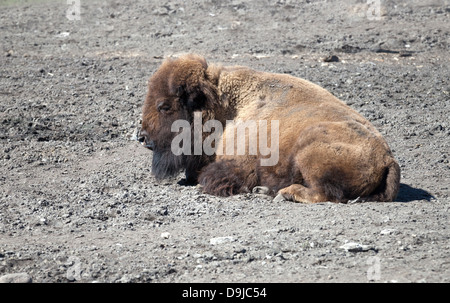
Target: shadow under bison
(407, 193)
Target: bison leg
(300, 193)
(227, 178)
(194, 166)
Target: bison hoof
(187, 182)
(260, 190)
(279, 198)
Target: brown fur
(327, 151)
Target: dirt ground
(78, 202)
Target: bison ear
(190, 83)
(183, 96)
(202, 95)
(209, 92)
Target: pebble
(220, 240)
(125, 279)
(387, 231)
(331, 58)
(22, 277)
(165, 235)
(355, 247)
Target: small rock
(63, 35)
(332, 58)
(165, 235)
(220, 240)
(275, 230)
(22, 277)
(125, 279)
(387, 231)
(355, 247)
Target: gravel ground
(78, 202)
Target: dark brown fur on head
(177, 89)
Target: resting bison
(326, 151)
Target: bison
(325, 150)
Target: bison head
(178, 88)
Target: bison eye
(163, 107)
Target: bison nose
(143, 138)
